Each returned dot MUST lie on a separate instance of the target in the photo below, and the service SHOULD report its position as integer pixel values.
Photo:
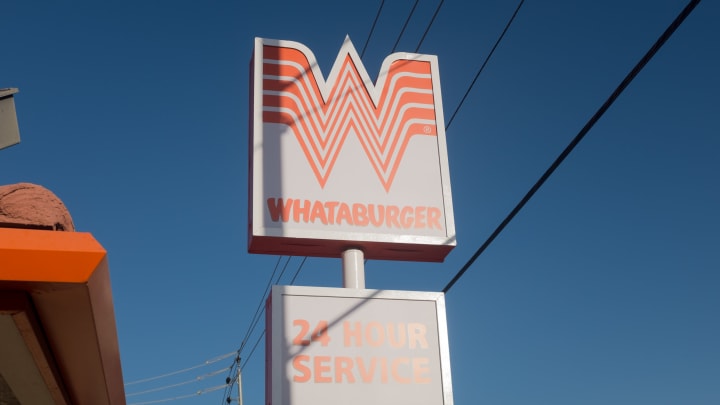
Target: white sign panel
(357, 347)
(342, 162)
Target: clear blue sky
(605, 289)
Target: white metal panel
(379, 347)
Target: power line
(257, 342)
(281, 274)
(254, 322)
(196, 379)
(292, 281)
(427, 29)
(372, 29)
(205, 363)
(482, 67)
(259, 308)
(598, 114)
(232, 375)
(230, 381)
(195, 394)
(405, 26)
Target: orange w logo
(322, 113)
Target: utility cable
(233, 371)
(297, 272)
(196, 379)
(482, 67)
(259, 307)
(263, 333)
(253, 324)
(598, 114)
(427, 29)
(372, 29)
(224, 356)
(257, 342)
(195, 394)
(205, 363)
(402, 31)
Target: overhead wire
(254, 322)
(257, 342)
(196, 379)
(297, 272)
(236, 368)
(580, 135)
(407, 21)
(233, 373)
(427, 29)
(184, 370)
(260, 306)
(249, 356)
(224, 356)
(195, 394)
(487, 59)
(259, 339)
(372, 29)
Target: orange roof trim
(48, 256)
(66, 277)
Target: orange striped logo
(322, 113)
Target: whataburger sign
(344, 162)
(356, 347)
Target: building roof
(7, 92)
(57, 321)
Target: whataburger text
(354, 214)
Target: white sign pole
(240, 398)
(353, 263)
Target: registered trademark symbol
(427, 129)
